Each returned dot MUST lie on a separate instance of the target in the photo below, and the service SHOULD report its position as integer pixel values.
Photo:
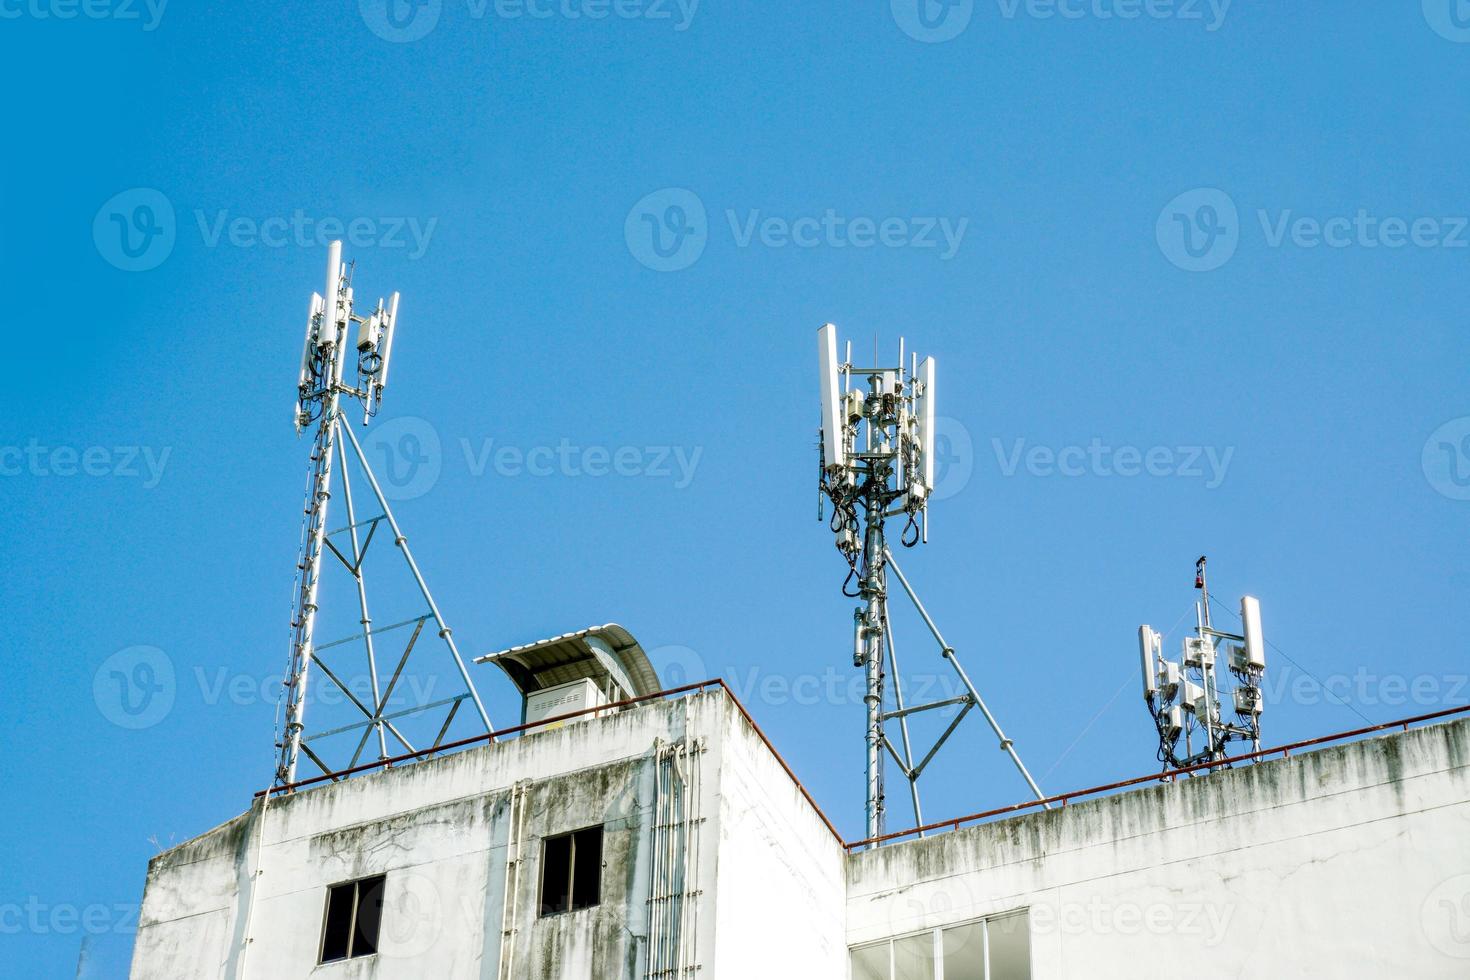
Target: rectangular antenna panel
(925, 411)
(1147, 649)
(833, 443)
(331, 296)
(1255, 641)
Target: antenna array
(330, 343)
(877, 462)
(1184, 697)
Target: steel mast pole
(872, 592)
(319, 495)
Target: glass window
(913, 957)
(870, 962)
(352, 920)
(1010, 947)
(988, 949)
(571, 871)
(964, 952)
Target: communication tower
(336, 334)
(877, 463)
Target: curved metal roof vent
(606, 655)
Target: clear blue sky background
(532, 317)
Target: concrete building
(667, 839)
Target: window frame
(356, 884)
(937, 937)
(571, 882)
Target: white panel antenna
(1149, 646)
(834, 445)
(926, 434)
(1255, 642)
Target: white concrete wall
(1351, 861)
(780, 872)
(439, 830)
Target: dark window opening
(354, 916)
(571, 871)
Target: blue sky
(1192, 273)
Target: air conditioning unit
(563, 700)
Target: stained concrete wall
(440, 830)
(1351, 861)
